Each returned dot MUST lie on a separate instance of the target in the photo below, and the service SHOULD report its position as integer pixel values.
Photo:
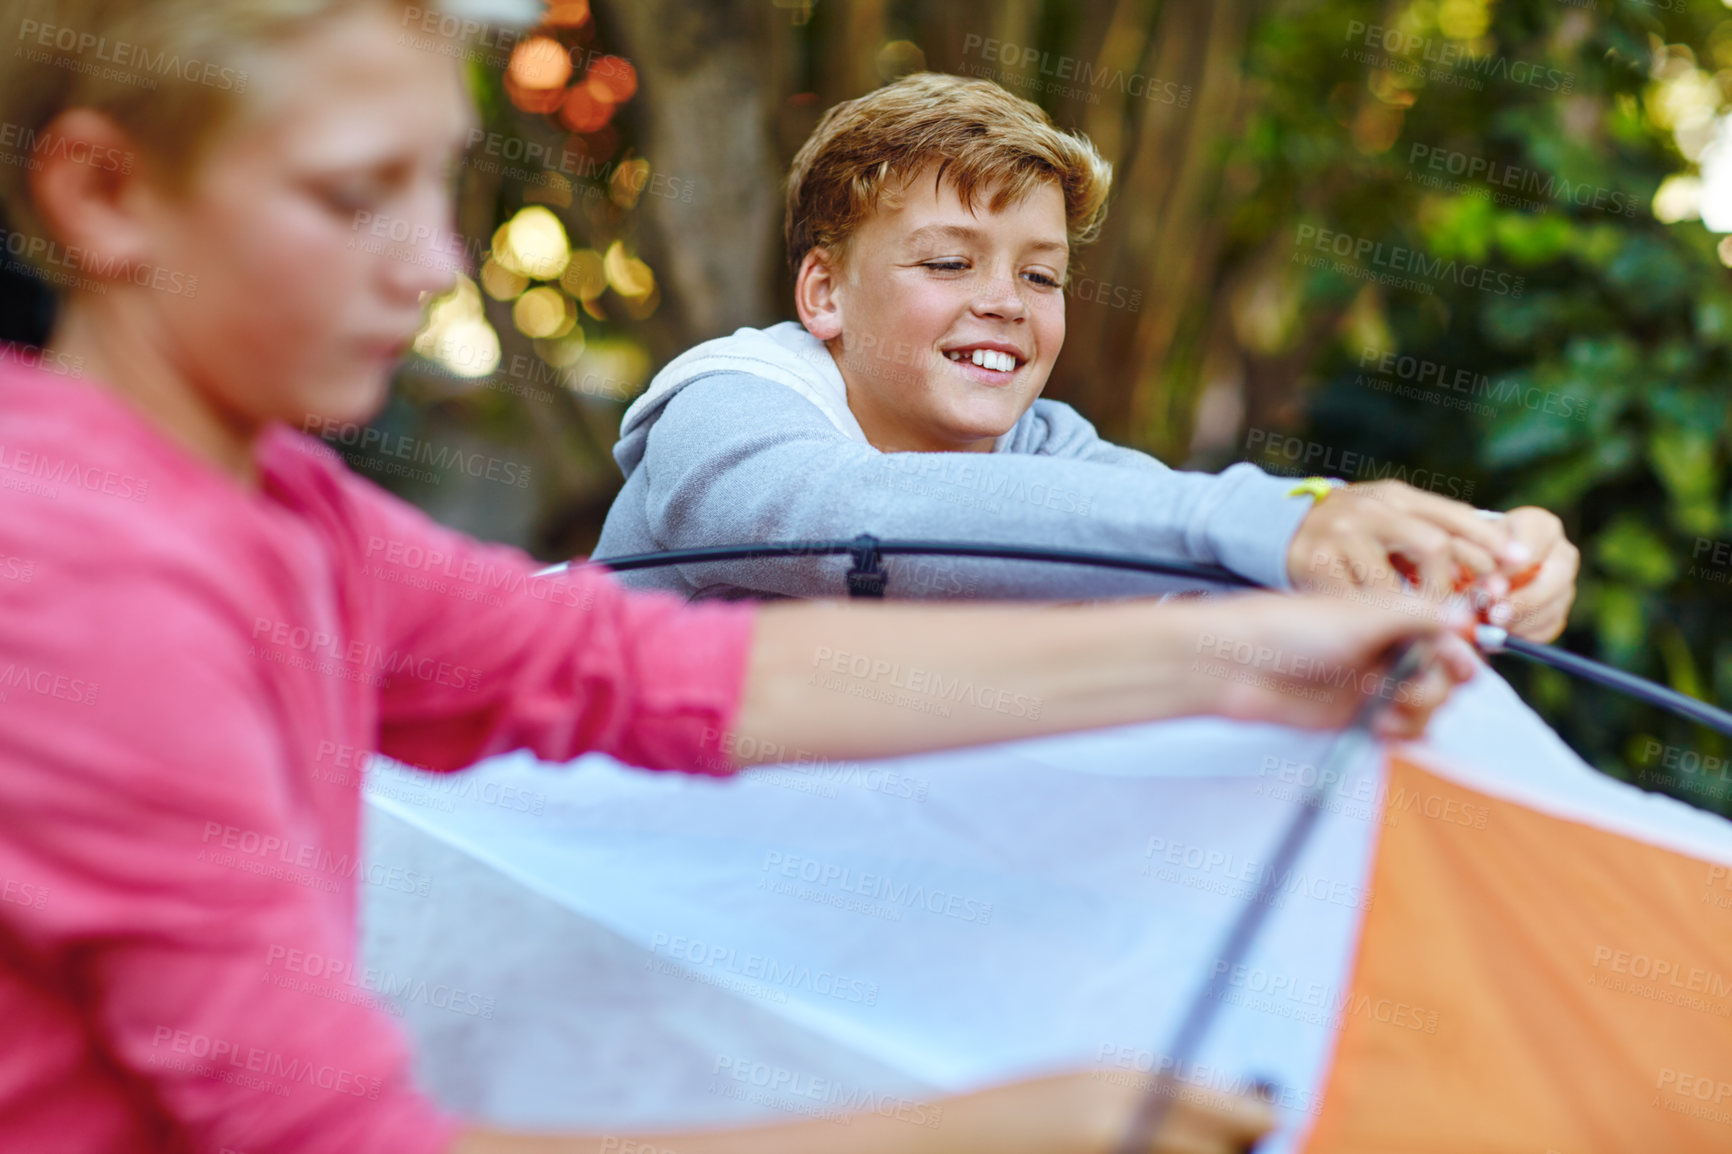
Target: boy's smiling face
(944, 322)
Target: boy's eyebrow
(963, 232)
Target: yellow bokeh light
(456, 335)
(629, 276)
(612, 369)
(532, 244)
(501, 283)
(629, 180)
(637, 308)
(584, 278)
(898, 58)
(543, 313)
(1463, 19)
(469, 349)
(563, 352)
(1679, 197)
(552, 189)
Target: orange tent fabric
(1531, 984)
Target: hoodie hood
(784, 353)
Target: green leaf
(1630, 550)
(1623, 623)
(1680, 666)
(1532, 240)
(1520, 322)
(1651, 273)
(1713, 320)
(1683, 459)
(1523, 435)
(1457, 227)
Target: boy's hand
(1389, 536)
(1352, 538)
(1539, 602)
(1309, 661)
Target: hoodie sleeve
(735, 458)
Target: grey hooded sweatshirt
(749, 438)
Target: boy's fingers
(1475, 563)
(1452, 663)
(1493, 537)
(1406, 719)
(1202, 1122)
(1539, 529)
(1363, 553)
(1370, 631)
(1409, 714)
(1541, 608)
(1369, 561)
(1357, 636)
(1458, 657)
(1430, 551)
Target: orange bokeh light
(540, 62)
(533, 99)
(566, 13)
(612, 79)
(582, 112)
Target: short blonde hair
(170, 73)
(983, 138)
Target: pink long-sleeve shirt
(189, 671)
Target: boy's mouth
(995, 359)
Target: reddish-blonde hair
(168, 72)
(983, 138)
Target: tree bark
(1163, 236)
(710, 76)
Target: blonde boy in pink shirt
(214, 608)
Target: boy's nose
(427, 251)
(1000, 297)
(426, 266)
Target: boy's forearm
(880, 681)
(862, 1134)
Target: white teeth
(990, 359)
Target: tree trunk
(1163, 235)
(710, 76)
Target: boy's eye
(1038, 277)
(346, 200)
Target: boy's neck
(116, 345)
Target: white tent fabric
(601, 947)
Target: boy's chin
(353, 402)
(973, 422)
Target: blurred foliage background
(1504, 196)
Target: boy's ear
(85, 178)
(817, 294)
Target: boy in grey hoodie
(931, 223)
